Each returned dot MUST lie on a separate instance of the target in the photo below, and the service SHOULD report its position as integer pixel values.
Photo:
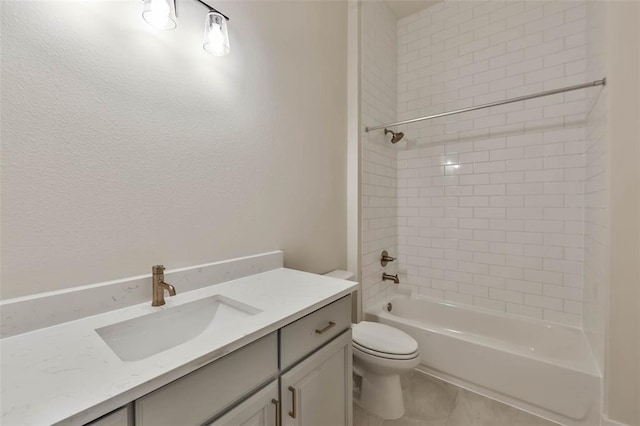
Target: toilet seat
(384, 341)
(384, 354)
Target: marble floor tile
(526, 419)
(471, 409)
(433, 402)
(364, 418)
(406, 421)
(428, 399)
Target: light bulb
(160, 14)
(216, 37)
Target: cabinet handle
(292, 413)
(330, 325)
(277, 404)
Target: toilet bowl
(382, 353)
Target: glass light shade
(216, 38)
(160, 14)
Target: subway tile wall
(490, 204)
(596, 265)
(378, 181)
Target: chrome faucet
(390, 277)
(159, 286)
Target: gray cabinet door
(317, 392)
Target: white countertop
(67, 374)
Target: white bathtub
(536, 366)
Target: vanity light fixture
(216, 38)
(161, 14)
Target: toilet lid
(383, 338)
(358, 348)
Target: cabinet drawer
(312, 331)
(200, 395)
(260, 409)
(119, 417)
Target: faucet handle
(157, 269)
(385, 258)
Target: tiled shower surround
(596, 214)
(490, 203)
(379, 184)
(496, 223)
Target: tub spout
(390, 277)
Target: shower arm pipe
(602, 82)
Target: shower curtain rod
(602, 82)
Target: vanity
(270, 348)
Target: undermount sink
(142, 337)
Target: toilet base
(381, 395)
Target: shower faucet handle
(385, 258)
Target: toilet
(381, 354)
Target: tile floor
(432, 402)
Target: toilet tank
(356, 311)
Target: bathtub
(540, 367)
